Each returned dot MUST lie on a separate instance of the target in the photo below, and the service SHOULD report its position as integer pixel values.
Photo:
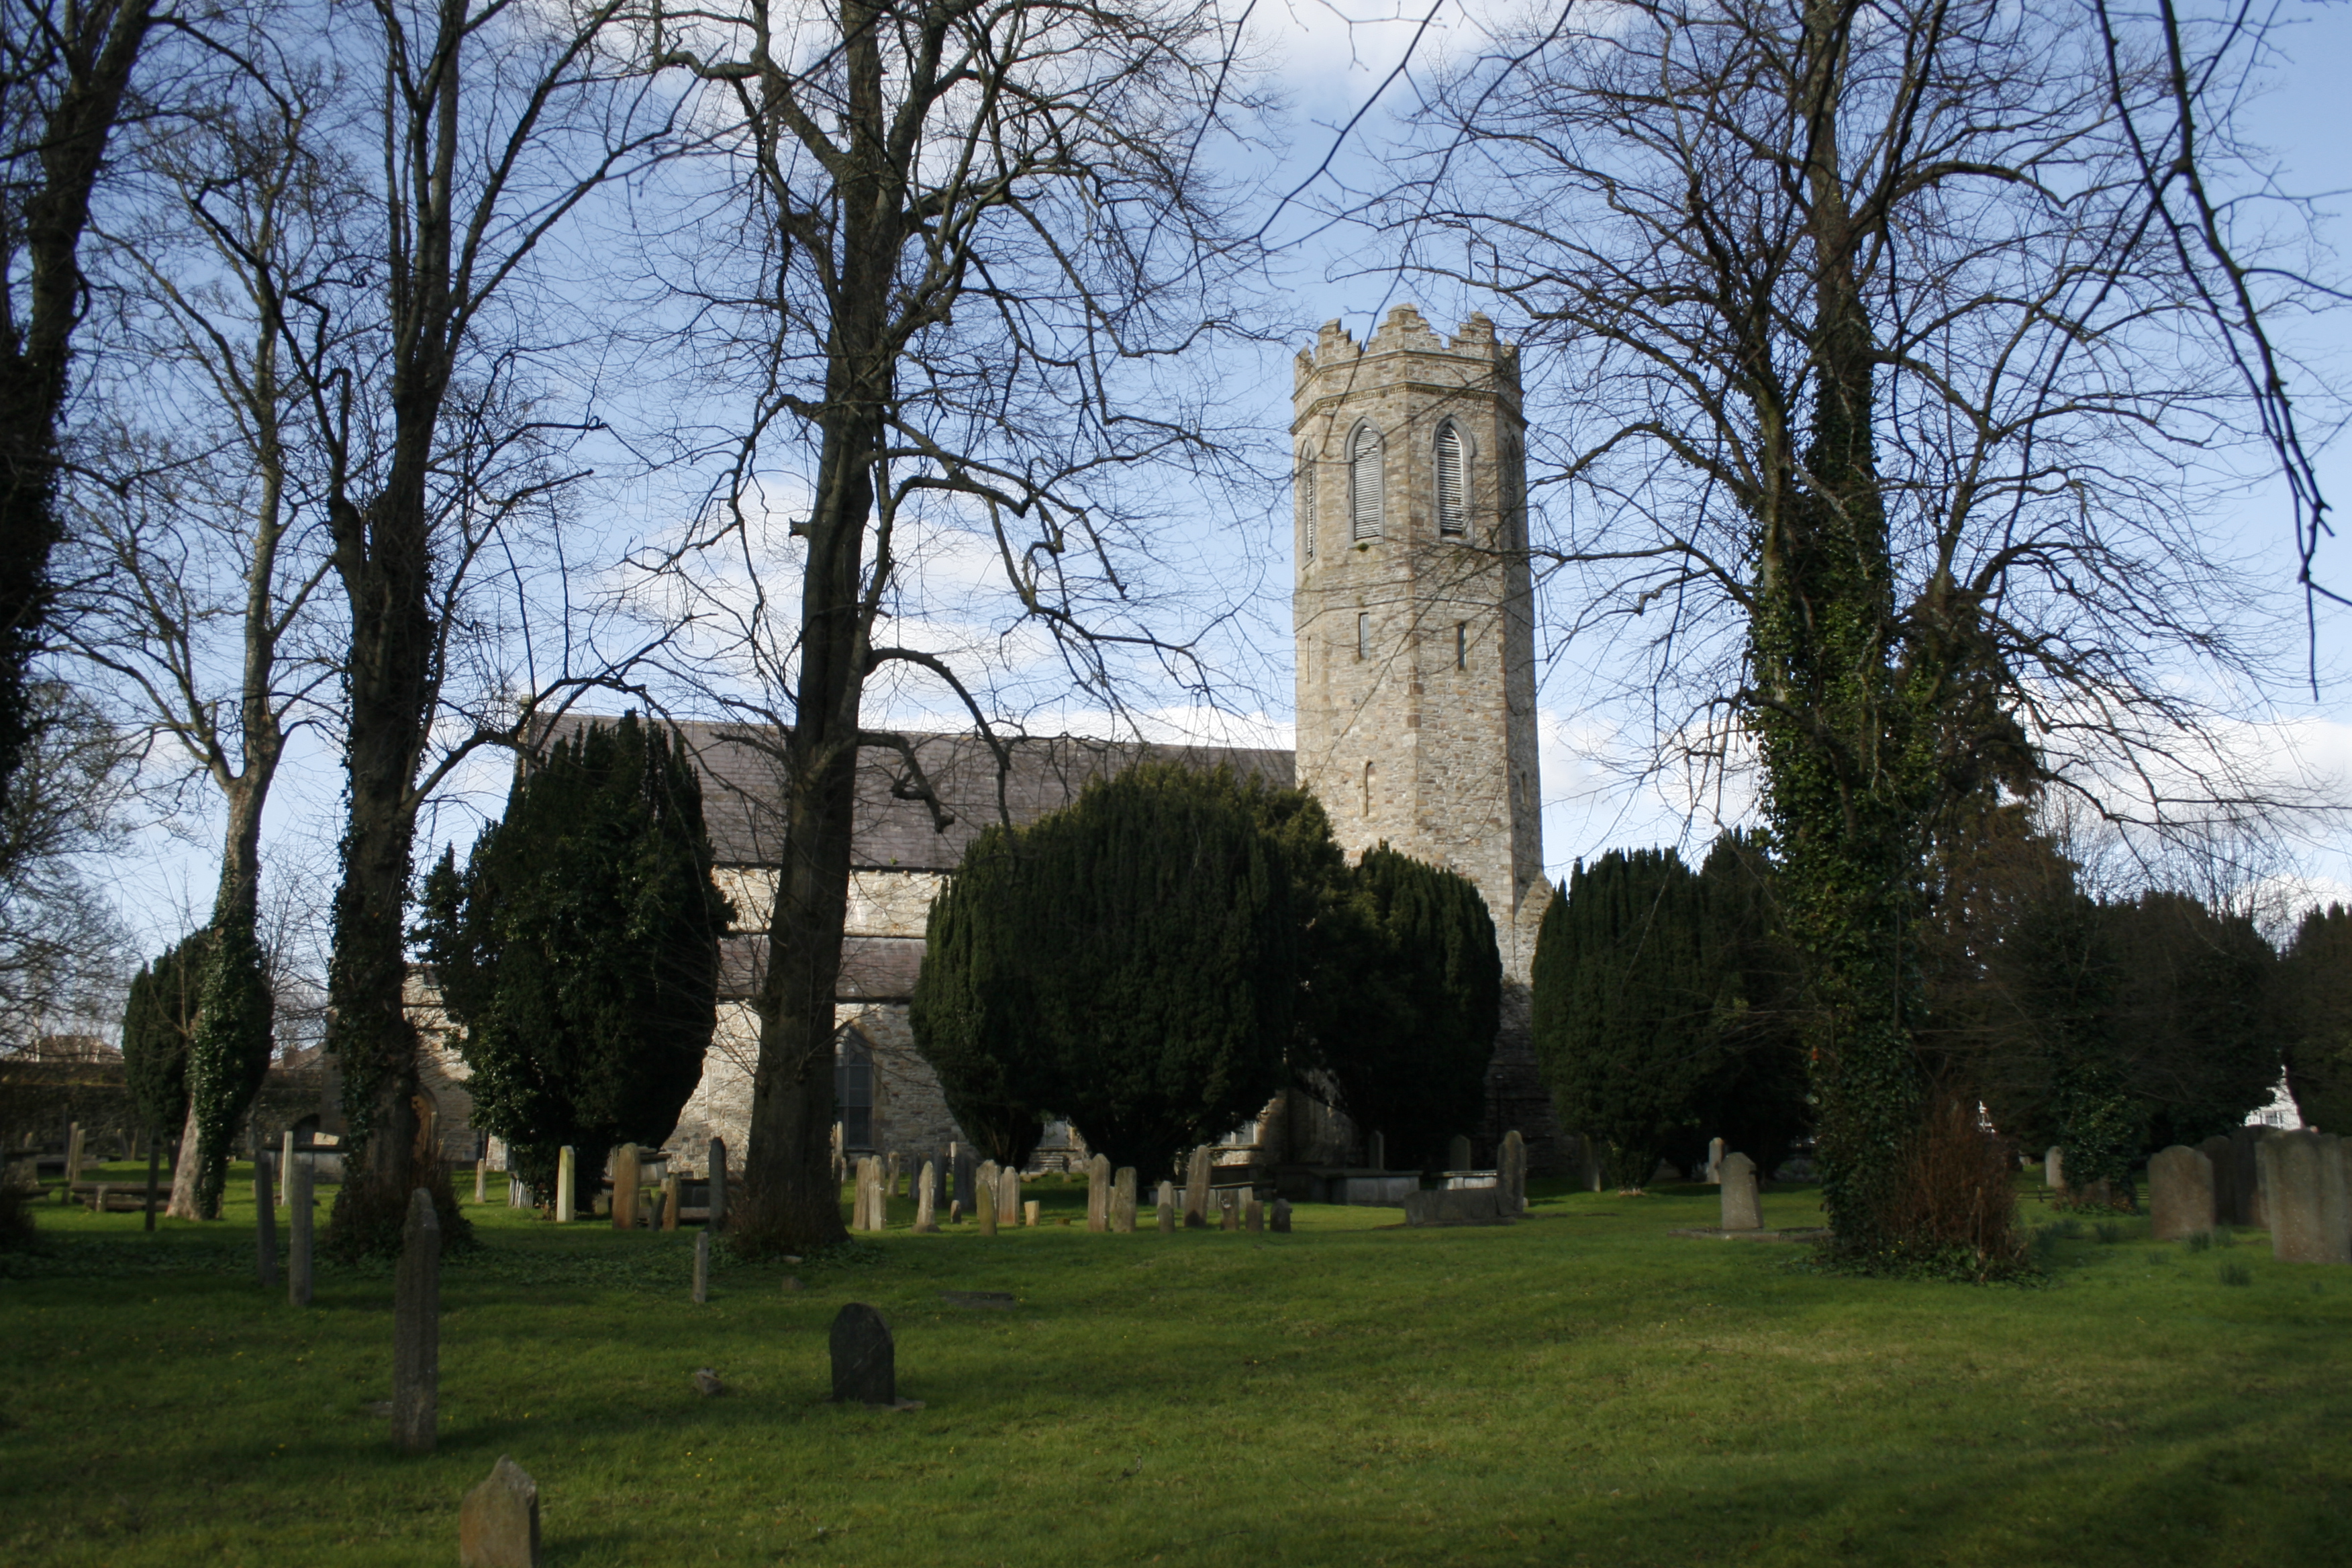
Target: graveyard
(1581, 1386)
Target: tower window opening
(853, 1088)
(1462, 645)
(1307, 504)
(1364, 484)
(1453, 482)
(1363, 635)
(1368, 789)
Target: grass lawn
(1578, 1388)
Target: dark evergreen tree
(2313, 1004)
(1624, 1007)
(158, 1022)
(1129, 962)
(2193, 988)
(578, 950)
(1760, 1102)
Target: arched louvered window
(1364, 484)
(853, 1088)
(1453, 481)
(1307, 505)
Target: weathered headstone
(1253, 1218)
(890, 1177)
(864, 1362)
(718, 1220)
(627, 1170)
(985, 1203)
(1280, 1221)
(1741, 1208)
(416, 1329)
(1165, 1203)
(938, 1180)
(482, 1180)
(285, 1166)
(1029, 1212)
(1511, 1173)
(265, 1222)
(2246, 1177)
(1099, 1193)
(670, 1202)
(298, 1231)
(1714, 1160)
(2053, 1169)
(1008, 1194)
(1228, 1212)
(865, 1194)
(2180, 1193)
(2225, 1199)
(497, 1524)
(1196, 1190)
(927, 1193)
(1122, 1201)
(701, 1266)
(2306, 1192)
(1457, 1153)
(967, 1174)
(567, 1183)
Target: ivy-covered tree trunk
(229, 1053)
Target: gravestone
(1457, 1153)
(967, 1174)
(669, 1203)
(2305, 1189)
(985, 1203)
(1008, 1194)
(1455, 1205)
(1166, 1205)
(2246, 1177)
(718, 1211)
(567, 1183)
(482, 1180)
(1280, 1223)
(1376, 1151)
(864, 1362)
(2225, 1200)
(1253, 1218)
(1098, 1195)
(985, 1175)
(1714, 1160)
(1589, 1167)
(298, 1232)
(1228, 1215)
(497, 1524)
(936, 1178)
(2180, 1193)
(1511, 1173)
(2053, 1169)
(628, 1171)
(955, 1211)
(702, 1266)
(416, 1329)
(285, 1166)
(265, 1223)
(1741, 1209)
(1196, 1190)
(1122, 1201)
(860, 1204)
(927, 1199)
(1029, 1212)
(890, 1177)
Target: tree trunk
(184, 1170)
(229, 1053)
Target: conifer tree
(579, 950)
(2314, 1007)
(159, 1019)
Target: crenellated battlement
(1404, 331)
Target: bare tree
(974, 223)
(1896, 392)
(64, 957)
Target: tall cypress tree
(2313, 992)
(159, 1019)
(579, 950)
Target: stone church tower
(1414, 611)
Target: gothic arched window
(1364, 483)
(853, 1087)
(1307, 505)
(1453, 480)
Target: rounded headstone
(865, 1360)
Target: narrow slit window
(1363, 635)
(1452, 483)
(1368, 789)
(1307, 504)
(1364, 484)
(1462, 645)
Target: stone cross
(2307, 1195)
(865, 1360)
(985, 1203)
(1741, 1209)
(1714, 1160)
(416, 1329)
(1196, 1190)
(497, 1524)
(1253, 1218)
(1280, 1221)
(2180, 1193)
(2053, 1169)
(718, 1220)
(1008, 1194)
(2225, 1201)
(627, 1168)
(1457, 1153)
(1166, 1204)
(1098, 1195)
(927, 1193)
(1122, 1201)
(567, 1183)
(265, 1223)
(702, 1266)
(2246, 1177)
(1511, 1173)
(298, 1232)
